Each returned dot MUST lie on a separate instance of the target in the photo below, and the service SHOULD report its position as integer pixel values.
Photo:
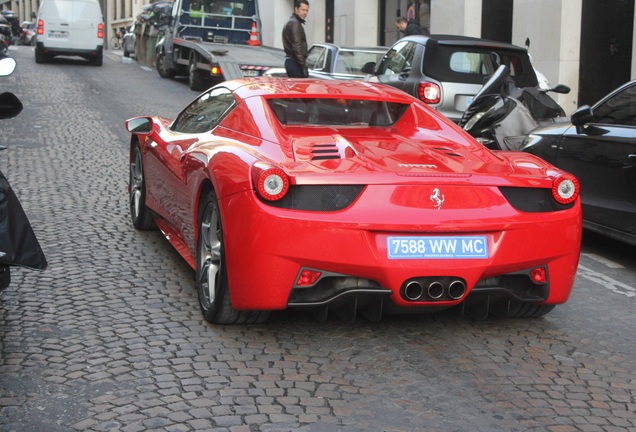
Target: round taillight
(272, 184)
(565, 189)
(429, 92)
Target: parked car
(349, 196)
(598, 145)
(329, 61)
(28, 33)
(447, 71)
(130, 41)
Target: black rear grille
(322, 198)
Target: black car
(447, 71)
(598, 145)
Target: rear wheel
(196, 78)
(98, 60)
(40, 57)
(211, 274)
(139, 213)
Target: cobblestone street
(110, 337)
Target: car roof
(314, 88)
(457, 40)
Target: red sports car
(353, 197)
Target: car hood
(380, 156)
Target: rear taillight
(40, 27)
(272, 184)
(429, 93)
(100, 31)
(565, 189)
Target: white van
(70, 27)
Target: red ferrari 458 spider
(353, 197)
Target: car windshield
(336, 111)
(352, 61)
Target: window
(620, 109)
(398, 59)
(482, 63)
(204, 113)
(336, 111)
(316, 58)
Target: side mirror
(581, 116)
(10, 105)
(561, 88)
(7, 66)
(139, 126)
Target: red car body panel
(398, 167)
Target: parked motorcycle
(18, 244)
(502, 114)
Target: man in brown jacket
(295, 41)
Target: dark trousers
(293, 69)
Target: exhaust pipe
(413, 290)
(456, 289)
(435, 290)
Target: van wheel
(98, 61)
(39, 57)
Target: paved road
(110, 338)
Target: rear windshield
(348, 112)
(473, 65)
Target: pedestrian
(408, 27)
(295, 41)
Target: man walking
(295, 41)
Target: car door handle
(632, 158)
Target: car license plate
(58, 35)
(250, 73)
(437, 247)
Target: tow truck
(212, 41)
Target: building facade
(586, 44)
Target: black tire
(40, 57)
(196, 79)
(516, 309)
(162, 67)
(98, 61)
(211, 275)
(139, 213)
(5, 277)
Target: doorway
(496, 20)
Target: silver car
(447, 71)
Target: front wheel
(211, 273)
(162, 67)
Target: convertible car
(351, 197)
